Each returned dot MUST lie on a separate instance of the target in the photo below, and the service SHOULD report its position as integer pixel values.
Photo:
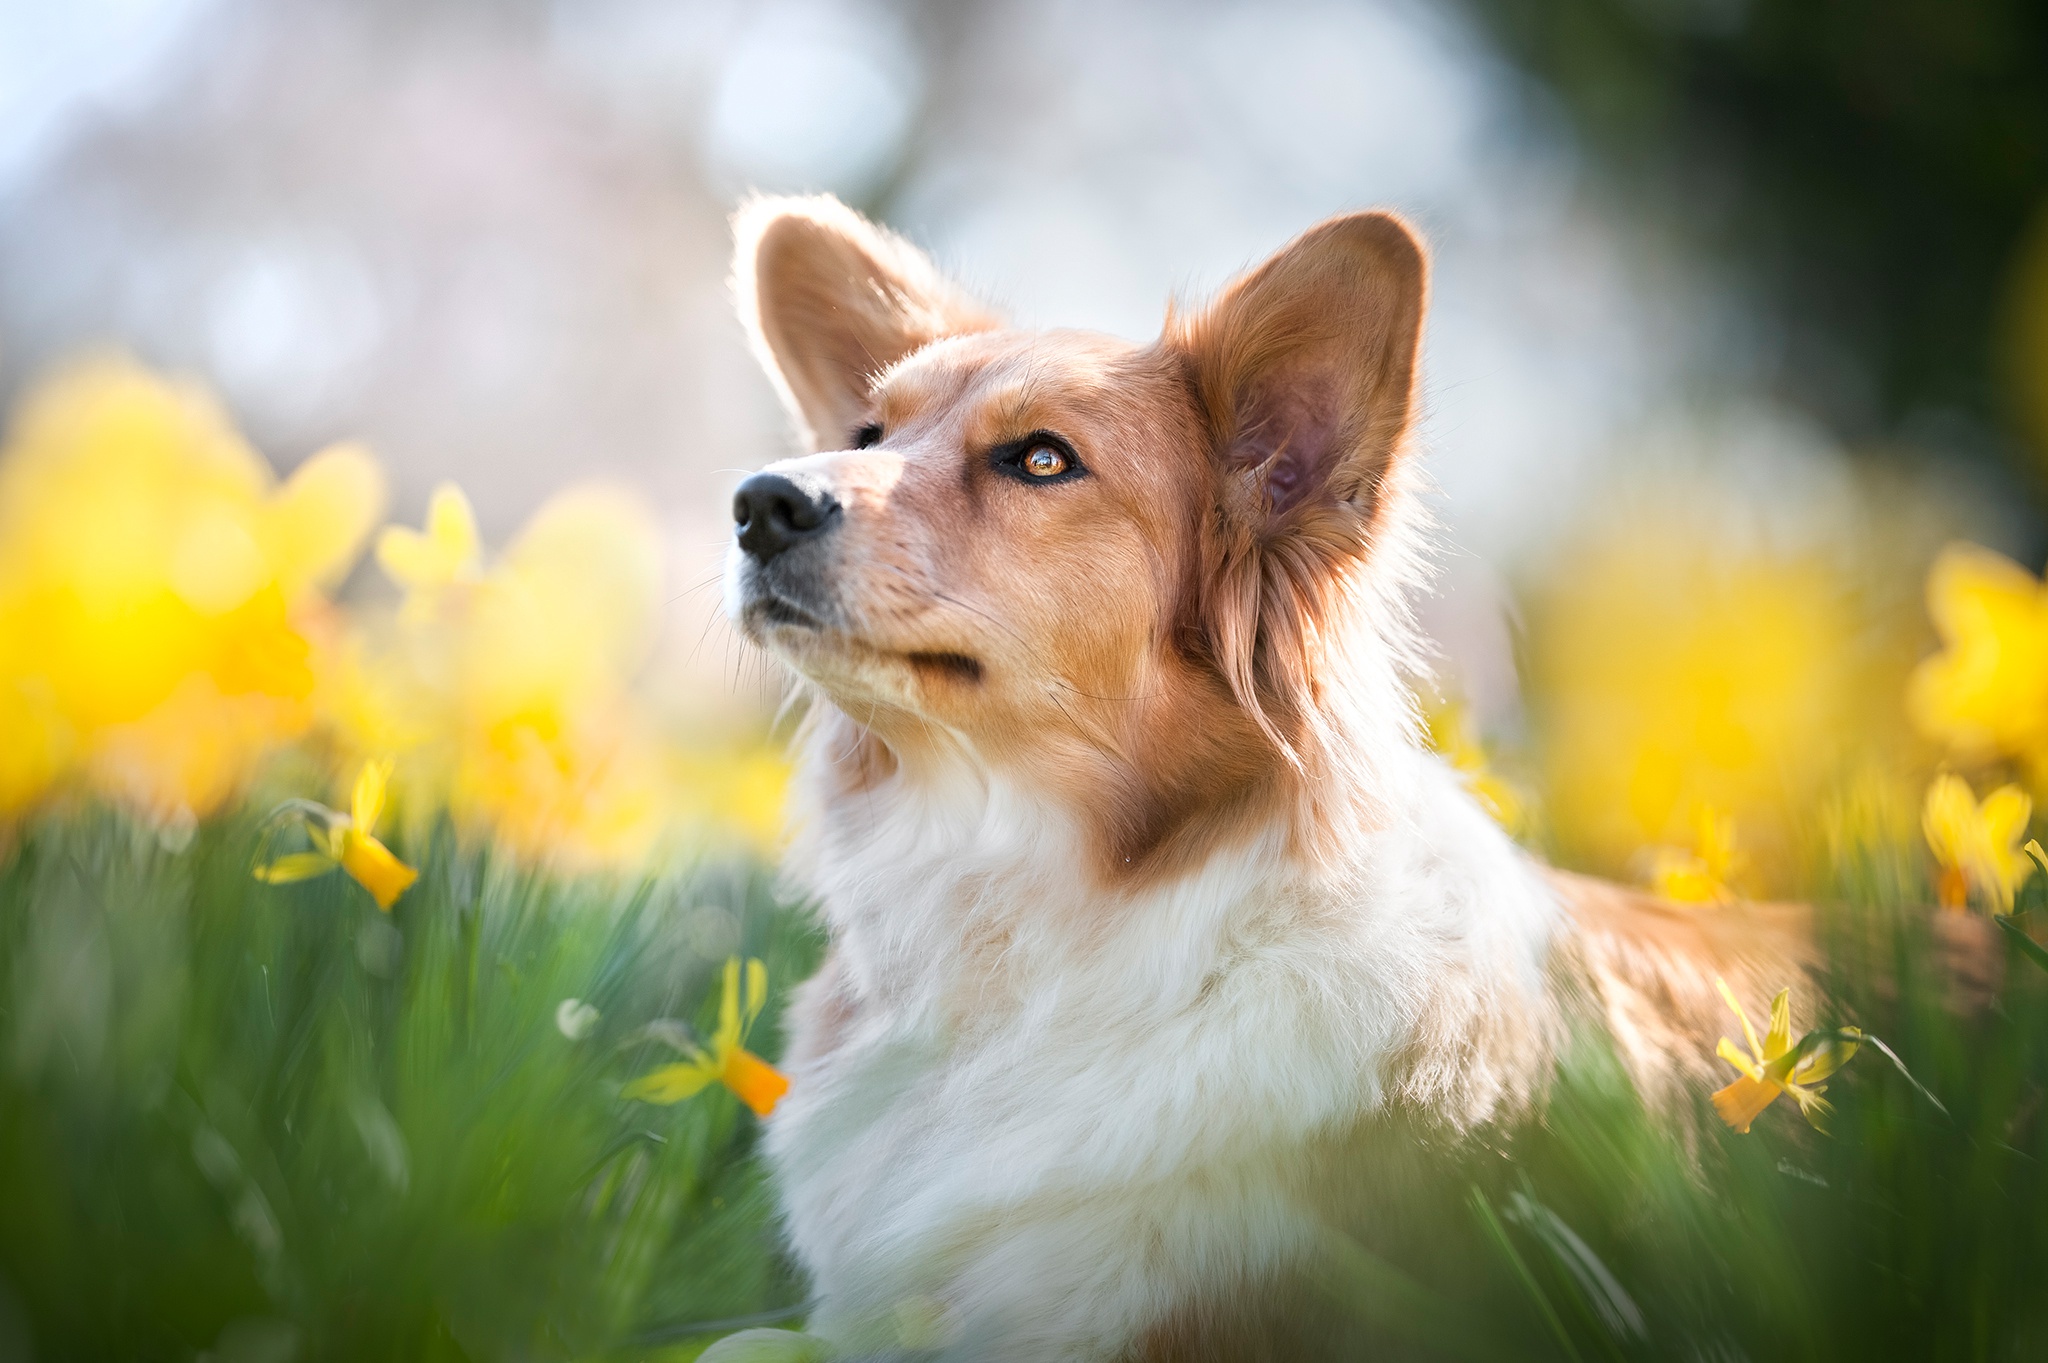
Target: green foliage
(1871, 165)
(255, 1122)
(1600, 1232)
(274, 1122)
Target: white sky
(60, 59)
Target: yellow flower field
(167, 624)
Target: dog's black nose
(774, 512)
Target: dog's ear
(830, 300)
(1305, 369)
(1304, 373)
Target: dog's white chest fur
(1043, 1116)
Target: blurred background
(1741, 306)
(373, 397)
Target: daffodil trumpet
(345, 842)
(753, 1080)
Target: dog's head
(1125, 572)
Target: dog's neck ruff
(1010, 1075)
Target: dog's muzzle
(783, 524)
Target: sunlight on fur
(1150, 901)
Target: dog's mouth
(804, 622)
(770, 609)
(946, 666)
(772, 617)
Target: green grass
(270, 1123)
(1597, 1233)
(276, 1113)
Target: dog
(1143, 895)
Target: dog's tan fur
(1650, 967)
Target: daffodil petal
(757, 989)
(445, 552)
(366, 805)
(376, 869)
(1946, 817)
(727, 1037)
(1779, 1039)
(295, 866)
(316, 523)
(671, 1083)
(2005, 813)
(451, 525)
(1980, 693)
(1732, 1053)
(406, 556)
(1748, 1032)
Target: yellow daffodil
(1671, 668)
(509, 684)
(160, 592)
(346, 842)
(757, 1083)
(1699, 875)
(1453, 737)
(1976, 845)
(1775, 1065)
(1986, 693)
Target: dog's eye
(870, 434)
(1041, 457)
(1043, 461)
